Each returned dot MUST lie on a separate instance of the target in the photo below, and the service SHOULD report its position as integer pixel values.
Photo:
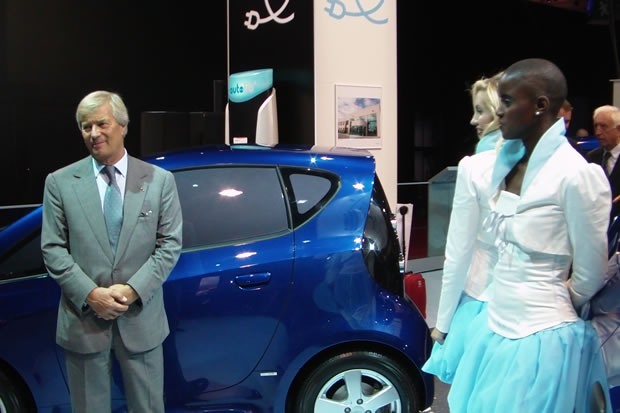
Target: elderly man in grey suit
(606, 121)
(111, 236)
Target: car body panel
(27, 324)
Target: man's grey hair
(614, 112)
(94, 100)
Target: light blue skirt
(445, 357)
(550, 371)
(592, 370)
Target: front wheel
(359, 381)
(13, 399)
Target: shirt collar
(509, 154)
(121, 165)
(513, 150)
(546, 146)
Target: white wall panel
(357, 47)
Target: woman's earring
(537, 113)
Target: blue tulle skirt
(445, 357)
(592, 370)
(551, 371)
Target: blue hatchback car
(288, 295)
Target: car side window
(23, 260)
(309, 191)
(228, 204)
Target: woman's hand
(438, 336)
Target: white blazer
(560, 218)
(470, 254)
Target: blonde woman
(470, 253)
(485, 102)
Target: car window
(23, 260)
(309, 191)
(228, 204)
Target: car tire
(13, 398)
(336, 384)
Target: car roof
(354, 164)
(336, 159)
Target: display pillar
(355, 51)
(616, 92)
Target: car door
(225, 296)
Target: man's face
(516, 109)
(567, 115)
(103, 135)
(607, 134)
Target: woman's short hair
(93, 101)
(490, 98)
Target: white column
(357, 48)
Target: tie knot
(110, 171)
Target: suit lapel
(88, 195)
(135, 192)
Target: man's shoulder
(594, 153)
(479, 161)
(143, 168)
(146, 165)
(75, 168)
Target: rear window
(380, 244)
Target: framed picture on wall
(358, 116)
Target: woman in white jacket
(548, 214)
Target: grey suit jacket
(78, 256)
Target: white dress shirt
(611, 162)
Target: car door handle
(249, 280)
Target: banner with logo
(278, 35)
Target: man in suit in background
(111, 235)
(566, 112)
(607, 130)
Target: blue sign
(244, 86)
(338, 10)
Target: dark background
(293, 62)
(451, 45)
(166, 56)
